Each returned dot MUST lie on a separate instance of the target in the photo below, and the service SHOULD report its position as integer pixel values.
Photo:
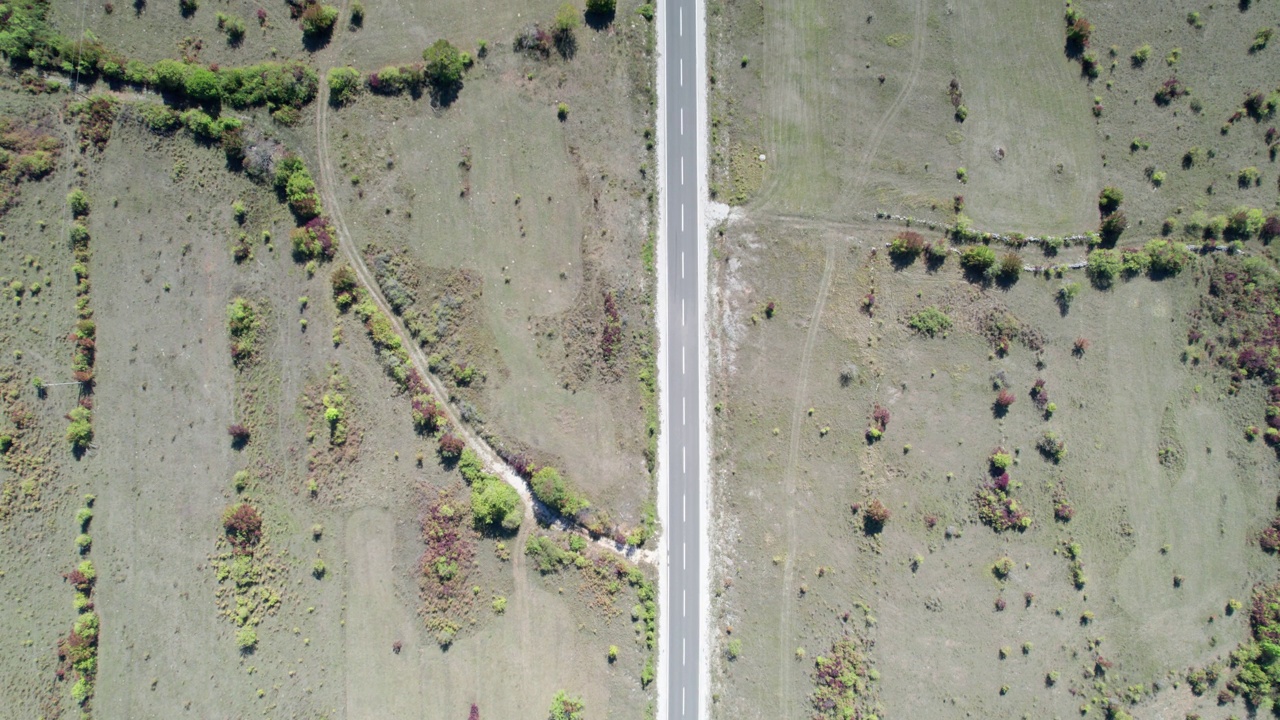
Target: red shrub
(876, 516)
(243, 526)
(1000, 604)
(1005, 398)
(1080, 346)
(475, 713)
(880, 416)
(239, 435)
(451, 446)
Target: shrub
(551, 489)
(80, 429)
(1103, 266)
(1010, 267)
(78, 201)
(906, 246)
(1067, 294)
(1141, 54)
(344, 84)
(344, 282)
(1244, 223)
(1167, 258)
(243, 527)
(1051, 446)
(880, 416)
(239, 434)
(1079, 30)
(875, 516)
(1000, 461)
(1260, 39)
(444, 64)
(1004, 399)
(604, 8)
(978, 259)
(242, 325)
(1109, 199)
(247, 639)
(494, 502)
(734, 649)
(930, 321)
(566, 21)
(1112, 227)
(451, 446)
(1002, 568)
(357, 13)
(1248, 177)
(564, 707)
(1169, 90)
(318, 19)
(1270, 229)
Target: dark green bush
(444, 64)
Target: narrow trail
(785, 629)
(492, 461)
(886, 120)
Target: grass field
(324, 609)
(1146, 526)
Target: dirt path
(785, 630)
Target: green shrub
(318, 19)
(564, 707)
(1167, 258)
(344, 84)
(1244, 223)
(494, 502)
(551, 489)
(546, 554)
(80, 429)
(78, 201)
(1002, 568)
(83, 543)
(1248, 177)
(1067, 294)
(1103, 266)
(444, 64)
(247, 639)
(978, 259)
(566, 21)
(1141, 54)
(602, 7)
(1109, 199)
(930, 321)
(1135, 261)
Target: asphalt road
(683, 423)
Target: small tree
(603, 8)
(444, 64)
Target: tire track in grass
(785, 630)
(886, 120)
